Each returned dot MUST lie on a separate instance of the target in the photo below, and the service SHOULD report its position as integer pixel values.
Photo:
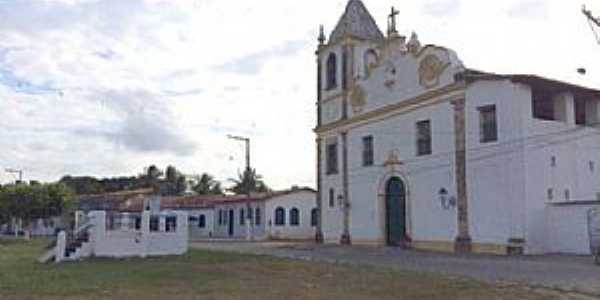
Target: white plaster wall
(567, 229)
(573, 148)
(305, 202)
(132, 243)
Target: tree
(153, 173)
(171, 175)
(27, 203)
(83, 185)
(174, 184)
(206, 184)
(181, 185)
(248, 178)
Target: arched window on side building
(280, 216)
(294, 217)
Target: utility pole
(15, 171)
(249, 224)
(592, 20)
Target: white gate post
(61, 245)
(145, 233)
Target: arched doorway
(395, 212)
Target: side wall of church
(496, 170)
(562, 165)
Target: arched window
(279, 216)
(314, 217)
(257, 216)
(370, 60)
(294, 217)
(242, 217)
(331, 71)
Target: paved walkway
(567, 273)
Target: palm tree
(248, 178)
(206, 184)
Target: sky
(108, 87)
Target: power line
(508, 143)
(592, 21)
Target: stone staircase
(69, 246)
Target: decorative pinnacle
(322, 37)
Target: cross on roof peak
(392, 21)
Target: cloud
(529, 9)
(108, 87)
(253, 63)
(145, 123)
(441, 8)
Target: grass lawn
(211, 275)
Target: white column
(162, 227)
(61, 245)
(78, 215)
(145, 233)
(183, 231)
(125, 221)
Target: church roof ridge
(358, 22)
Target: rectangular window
(488, 128)
(543, 105)
(242, 217)
(331, 198)
(257, 216)
(202, 221)
(154, 223)
(171, 224)
(368, 155)
(423, 138)
(332, 159)
(138, 223)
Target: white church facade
(417, 150)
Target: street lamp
(15, 171)
(249, 233)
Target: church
(416, 150)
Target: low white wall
(567, 229)
(130, 242)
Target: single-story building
(289, 214)
(286, 214)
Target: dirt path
(565, 273)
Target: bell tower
(340, 61)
